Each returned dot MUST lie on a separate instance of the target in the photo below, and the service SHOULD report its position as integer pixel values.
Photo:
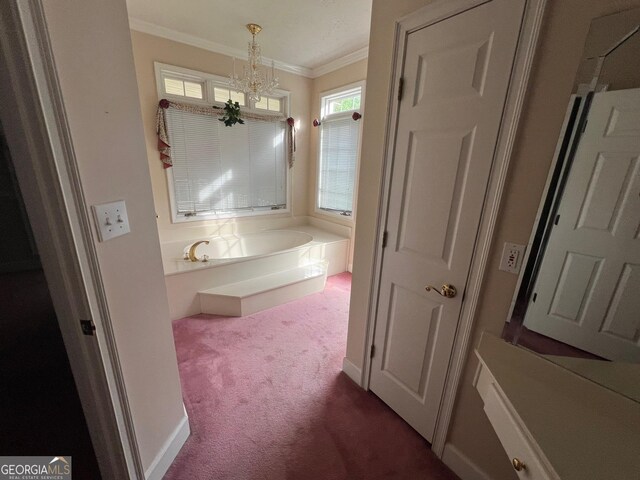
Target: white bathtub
(235, 258)
(251, 244)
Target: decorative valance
(164, 144)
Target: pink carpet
(267, 400)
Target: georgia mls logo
(35, 468)
(63, 461)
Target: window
(183, 88)
(269, 103)
(339, 151)
(182, 85)
(342, 102)
(222, 171)
(224, 94)
(217, 169)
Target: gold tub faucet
(192, 250)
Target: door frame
(529, 32)
(38, 134)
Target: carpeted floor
(267, 400)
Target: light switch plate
(111, 220)
(512, 255)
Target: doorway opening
(41, 409)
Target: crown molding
(170, 34)
(333, 65)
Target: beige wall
(562, 38)
(92, 51)
(148, 49)
(344, 76)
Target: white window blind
(223, 94)
(338, 158)
(183, 88)
(218, 169)
(269, 103)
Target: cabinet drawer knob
(518, 464)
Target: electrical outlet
(111, 220)
(512, 255)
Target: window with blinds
(339, 142)
(220, 170)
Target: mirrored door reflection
(579, 301)
(586, 293)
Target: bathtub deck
(174, 263)
(256, 294)
(186, 279)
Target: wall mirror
(578, 300)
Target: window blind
(338, 156)
(220, 169)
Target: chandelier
(256, 80)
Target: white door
(456, 74)
(587, 293)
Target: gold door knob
(447, 290)
(518, 464)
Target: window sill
(177, 219)
(331, 216)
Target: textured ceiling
(299, 32)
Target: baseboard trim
(462, 465)
(352, 371)
(169, 451)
